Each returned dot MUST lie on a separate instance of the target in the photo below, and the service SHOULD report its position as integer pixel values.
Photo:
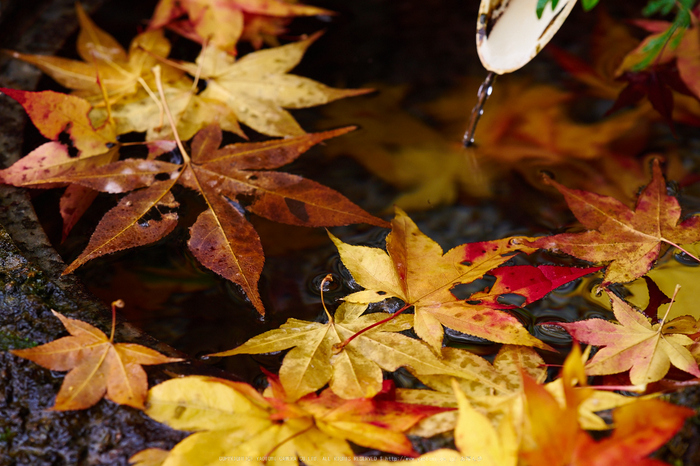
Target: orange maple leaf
(98, 367)
(629, 240)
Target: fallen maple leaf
(490, 388)
(76, 145)
(221, 24)
(641, 428)
(106, 67)
(634, 344)
(497, 389)
(415, 270)
(258, 89)
(552, 438)
(221, 238)
(74, 140)
(355, 371)
(629, 241)
(527, 127)
(98, 367)
(231, 419)
(428, 168)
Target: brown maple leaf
(98, 367)
(230, 179)
(628, 240)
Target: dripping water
(483, 94)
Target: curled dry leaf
(98, 367)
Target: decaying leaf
(75, 142)
(628, 240)
(415, 270)
(231, 419)
(634, 344)
(98, 367)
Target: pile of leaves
(332, 397)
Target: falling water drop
(484, 92)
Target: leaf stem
(279, 444)
(327, 279)
(115, 304)
(337, 348)
(668, 309)
(159, 85)
(678, 247)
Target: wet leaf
(98, 368)
(667, 275)
(415, 270)
(56, 116)
(123, 226)
(634, 344)
(628, 240)
(258, 89)
(428, 168)
(355, 371)
(221, 238)
(231, 419)
(106, 63)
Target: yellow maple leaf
(258, 89)
(106, 63)
(356, 370)
(232, 420)
(415, 270)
